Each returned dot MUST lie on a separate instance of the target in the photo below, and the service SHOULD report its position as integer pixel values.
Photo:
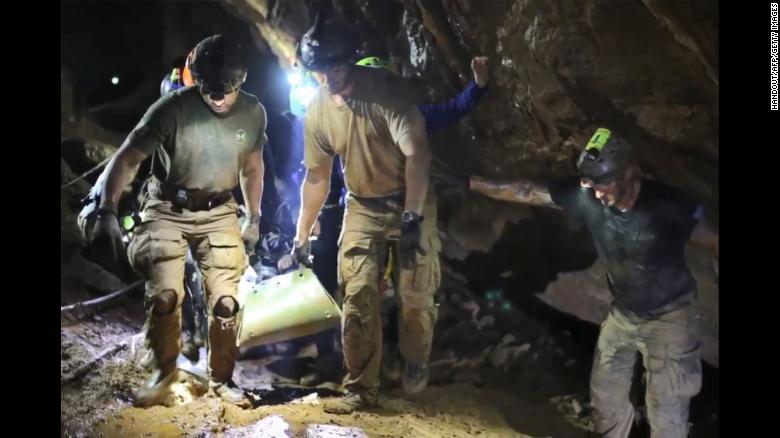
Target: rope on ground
(85, 174)
(94, 302)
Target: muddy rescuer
(640, 228)
(204, 141)
(368, 117)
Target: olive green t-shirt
(195, 148)
(365, 132)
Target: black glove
(301, 253)
(409, 244)
(107, 237)
(450, 183)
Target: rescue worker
(271, 256)
(204, 140)
(437, 116)
(640, 227)
(194, 321)
(368, 117)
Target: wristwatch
(410, 216)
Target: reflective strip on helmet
(373, 61)
(599, 139)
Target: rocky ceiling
(648, 69)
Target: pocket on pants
(353, 259)
(165, 244)
(678, 372)
(686, 370)
(150, 247)
(226, 251)
(138, 245)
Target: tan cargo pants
(158, 251)
(670, 347)
(368, 230)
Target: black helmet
(326, 44)
(605, 158)
(218, 66)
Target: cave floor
(500, 375)
(467, 396)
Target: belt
(192, 200)
(390, 202)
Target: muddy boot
(415, 378)
(223, 353)
(347, 404)
(231, 393)
(391, 363)
(162, 339)
(155, 390)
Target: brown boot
(222, 351)
(162, 339)
(156, 389)
(222, 360)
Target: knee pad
(164, 303)
(226, 307)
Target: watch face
(409, 216)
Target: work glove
(301, 253)
(106, 241)
(250, 233)
(409, 243)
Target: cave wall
(648, 69)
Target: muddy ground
(495, 372)
(529, 393)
